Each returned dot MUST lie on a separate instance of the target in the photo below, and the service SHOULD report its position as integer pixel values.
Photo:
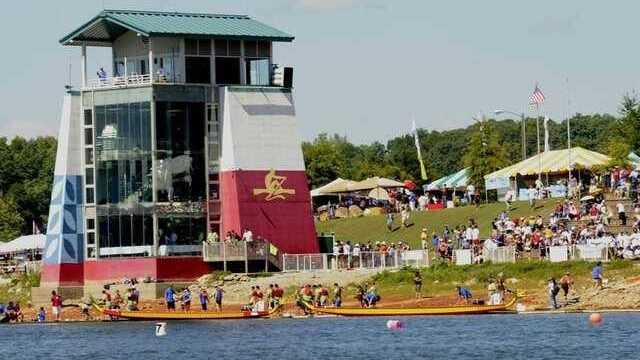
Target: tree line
(485, 146)
(26, 177)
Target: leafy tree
(10, 220)
(485, 153)
(618, 149)
(630, 122)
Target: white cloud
(26, 128)
(324, 5)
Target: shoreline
(280, 316)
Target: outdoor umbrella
(409, 184)
(379, 194)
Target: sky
(366, 68)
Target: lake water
(566, 336)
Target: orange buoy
(595, 318)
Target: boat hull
(181, 315)
(445, 310)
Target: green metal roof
(108, 25)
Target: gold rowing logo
(274, 187)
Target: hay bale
(342, 212)
(355, 211)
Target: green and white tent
(453, 181)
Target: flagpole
(538, 141)
(568, 132)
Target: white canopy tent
(337, 185)
(24, 243)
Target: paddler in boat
(502, 288)
(372, 296)
(305, 295)
(464, 294)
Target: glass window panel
(204, 47)
(180, 144)
(88, 176)
(264, 49)
(198, 69)
(227, 70)
(258, 71)
(89, 195)
(91, 238)
(88, 156)
(181, 231)
(234, 48)
(88, 136)
(88, 119)
(221, 47)
(123, 168)
(91, 224)
(191, 46)
(251, 48)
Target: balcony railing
(241, 251)
(123, 81)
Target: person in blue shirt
(204, 298)
(186, 300)
(464, 293)
(435, 241)
(41, 315)
(169, 297)
(218, 296)
(596, 274)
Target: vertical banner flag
(414, 130)
(546, 134)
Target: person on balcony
(161, 76)
(102, 75)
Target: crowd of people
(370, 254)
(183, 298)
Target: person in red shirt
(56, 305)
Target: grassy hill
(373, 228)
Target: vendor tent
(336, 186)
(634, 158)
(23, 243)
(553, 161)
(344, 186)
(376, 182)
(453, 181)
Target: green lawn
(373, 228)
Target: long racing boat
(182, 315)
(434, 310)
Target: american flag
(537, 97)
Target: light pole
(523, 140)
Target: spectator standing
(565, 283)
(621, 213)
(596, 274)
(170, 298)
(417, 284)
(553, 289)
(204, 298)
(56, 305)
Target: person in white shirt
(347, 252)
(471, 193)
(621, 213)
(247, 235)
(532, 196)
